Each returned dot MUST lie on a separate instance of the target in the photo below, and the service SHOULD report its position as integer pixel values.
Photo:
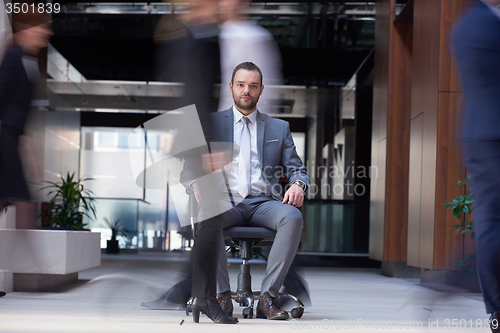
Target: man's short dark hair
(249, 66)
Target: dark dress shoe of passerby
(2, 294)
(268, 308)
(495, 322)
(210, 307)
(226, 302)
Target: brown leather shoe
(268, 308)
(226, 303)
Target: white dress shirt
(257, 181)
(259, 47)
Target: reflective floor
(108, 299)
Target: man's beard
(249, 107)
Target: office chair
(245, 240)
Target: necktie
(244, 160)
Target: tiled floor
(108, 299)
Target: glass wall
(148, 216)
(335, 227)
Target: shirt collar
(238, 115)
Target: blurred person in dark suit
(188, 52)
(477, 47)
(19, 74)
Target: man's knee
(293, 218)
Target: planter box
(55, 253)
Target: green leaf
(466, 230)
(457, 212)
(473, 235)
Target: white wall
(5, 30)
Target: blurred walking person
(19, 74)
(240, 32)
(477, 47)
(189, 53)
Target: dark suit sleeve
(7, 74)
(192, 170)
(293, 167)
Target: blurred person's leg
(232, 218)
(223, 281)
(13, 184)
(204, 258)
(205, 264)
(209, 254)
(26, 215)
(483, 161)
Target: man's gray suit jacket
(275, 147)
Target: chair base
(244, 240)
(283, 301)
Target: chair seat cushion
(249, 232)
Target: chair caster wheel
(248, 313)
(189, 309)
(297, 312)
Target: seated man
(266, 152)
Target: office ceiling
(322, 44)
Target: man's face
(41, 35)
(37, 37)
(246, 88)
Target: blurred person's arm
(7, 74)
(191, 170)
(294, 172)
(294, 169)
(30, 158)
(196, 166)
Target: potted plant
(463, 205)
(117, 229)
(69, 203)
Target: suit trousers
(483, 161)
(264, 211)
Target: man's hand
(294, 196)
(215, 161)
